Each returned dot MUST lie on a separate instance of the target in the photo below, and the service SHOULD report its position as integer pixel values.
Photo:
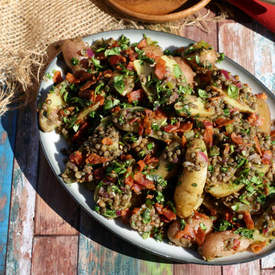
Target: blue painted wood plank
(7, 139)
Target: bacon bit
(80, 131)
(130, 66)
(262, 96)
(248, 220)
(140, 129)
(135, 210)
(266, 157)
(107, 141)
(125, 215)
(272, 134)
(133, 120)
(252, 119)
(171, 128)
(76, 157)
(142, 44)
(187, 232)
(158, 114)
(129, 181)
(87, 85)
(215, 98)
(236, 244)
(257, 246)
(95, 159)
(223, 122)
(200, 236)
(147, 122)
(116, 59)
(141, 165)
(149, 196)
(198, 215)
(208, 133)
(140, 179)
(148, 159)
(159, 207)
(183, 140)
(226, 149)
(169, 214)
(236, 139)
(57, 78)
(160, 69)
(257, 145)
(185, 127)
(126, 157)
(71, 78)
(100, 99)
(135, 95)
(116, 109)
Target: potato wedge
(48, 115)
(263, 111)
(71, 49)
(193, 106)
(233, 102)
(187, 195)
(221, 189)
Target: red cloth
(264, 13)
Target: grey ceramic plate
(52, 144)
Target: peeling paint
(3, 137)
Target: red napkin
(264, 13)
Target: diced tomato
(262, 96)
(223, 122)
(57, 78)
(266, 157)
(200, 236)
(160, 69)
(236, 139)
(141, 165)
(257, 145)
(142, 44)
(183, 140)
(135, 95)
(257, 246)
(169, 214)
(76, 157)
(71, 78)
(248, 220)
(107, 141)
(95, 159)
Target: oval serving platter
(52, 144)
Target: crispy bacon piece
(183, 140)
(187, 233)
(148, 159)
(208, 133)
(200, 236)
(57, 78)
(95, 159)
(117, 59)
(71, 78)
(147, 122)
(135, 95)
(141, 165)
(266, 157)
(257, 145)
(142, 44)
(140, 179)
(160, 69)
(236, 139)
(223, 122)
(171, 128)
(262, 96)
(76, 157)
(80, 131)
(168, 214)
(248, 220)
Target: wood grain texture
(268, 262)
(190, 269)
(23, 194)
(252, 268)
(101, 252)
(268, 272)
(54, 255)
(56, 211)
(7, 139)
(151, 268)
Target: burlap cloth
(28, 27)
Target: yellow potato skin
(263, 111)
(191, 183)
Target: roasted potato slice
(263, 111)
(48, 115)
(187, 195)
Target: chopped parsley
(96, 63)
(223, 225)
(74, 61)
(119, 83)
(247, 233)
(146, 216)
(112, 51)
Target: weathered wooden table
(44, 231)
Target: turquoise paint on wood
(7, 139)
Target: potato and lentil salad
(177, 148)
